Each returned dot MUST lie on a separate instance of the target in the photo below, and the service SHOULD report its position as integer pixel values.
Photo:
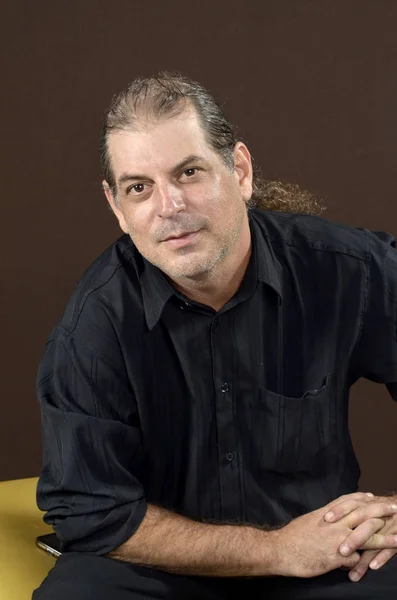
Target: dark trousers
(78, 576)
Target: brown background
(312, 86)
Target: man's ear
(114, 206)
(243, 169)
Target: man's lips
(179, 235)
(181, 239)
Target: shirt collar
(157, 290)
(268, 269)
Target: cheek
(226, 202)
(211, 199)
(139, 221)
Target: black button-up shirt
(239, 415)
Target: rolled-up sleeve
(92, 451)
(376, 356)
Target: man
(194, 395)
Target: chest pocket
(300, 433)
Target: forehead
(159, 145)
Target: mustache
(182, 224)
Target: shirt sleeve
(377, 348)
(92, 450)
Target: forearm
(173, 543)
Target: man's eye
(137, 188)
(190, 172)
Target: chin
(188, 263)
(190, 269)
(183, 272)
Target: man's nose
(170, 201)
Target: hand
(309, 545)
(373, 559)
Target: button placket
(229, 466)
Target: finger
(351, 561)
(341, 509)
(353, 499)
(361, 536)
(373, 510)
(381, 558)
(362, 566)
(379, 542)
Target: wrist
(277, 547)
(268, 558)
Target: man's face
(183, 208)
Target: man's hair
(167, 95)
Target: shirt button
(224, 387)
(215, 324)
(229, 456)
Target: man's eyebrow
(129, 177)
(192, 158)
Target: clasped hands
(373, 521)
(356, 532)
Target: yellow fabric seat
(23, 566)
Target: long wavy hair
(166, 95)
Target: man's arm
(171, 542)
(90, 434)
(375, 355)
(306, 547)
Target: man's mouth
(178, 240)
(177, 236)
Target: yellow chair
(23, 566)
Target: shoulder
(114, 273)
(314, 233)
